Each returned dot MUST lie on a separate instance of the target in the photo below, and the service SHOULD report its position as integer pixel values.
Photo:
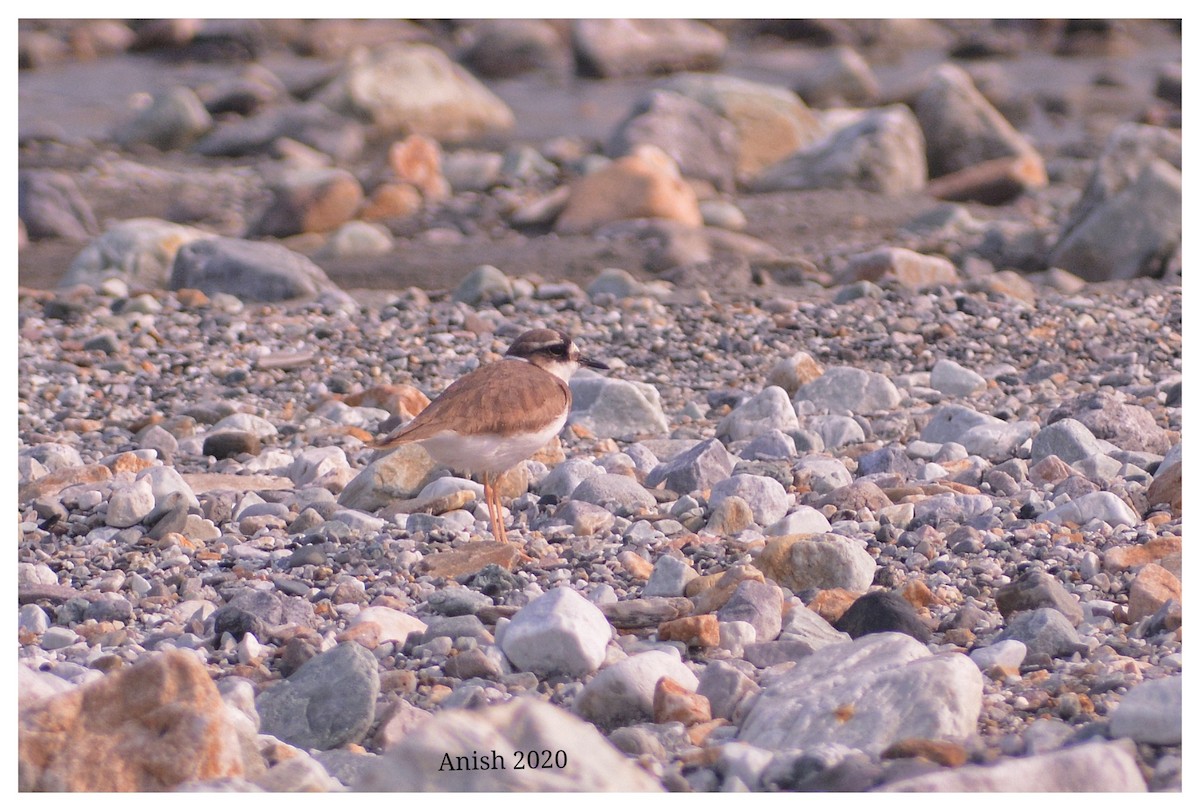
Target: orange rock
(400, 400)
(149, 727)
(710, 592)
(417, 161)
(942, 753)
(364, 633)
(644, 184)
(1167, 488)
(635, 564)
(832, 603)
(1152, 587)
(52, 483)
(391, 201)
(919, 595)
(674, 702)
(1154, 550)
(695, 632)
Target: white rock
(623, 693)
(130, 503)
(955, 379)
(768, 409)
(768, 500)
(559, 632)
(313, 463)
(580, 758)
(1007, 653)
(1089, 767)
(800, 521)
(1102, 505)
(896, 687)
(394, 624)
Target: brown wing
(531, 398)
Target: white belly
(487, 453)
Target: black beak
(589, 362)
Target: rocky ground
(882, 492)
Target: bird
(488, 420)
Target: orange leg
(495, 516)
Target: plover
(490, 419)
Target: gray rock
(311, 124)
(614, 282)
(698, 468)
(1089, 767)
(1069, 440)
(1128, 220)
(620, 409)
(1126, 425)
(311, 464)
(768, 500)
(1044, 632)
(567, 475)
(328, 702)
(139, 252)
(523, 725)
(51, 206)
(901, 266)
(771, 121)
(1100, 506)
(836, 77)
(774, 444)
(174, 119)
(880, 612)
(621, 494)
(406, 87)
(769, 409)
(702, 143)
(454, 602)
(1151, 712)
(462, 625)
(623, 693)
(1038, 589)
(954, 379)
(668, 578)
(845, 388)
(608, 48)
(251, 271)
(961, 127)
(880, 150)
(503, 48)
(760, 604)
(485, 285)
(898, 689)
(559, 632)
